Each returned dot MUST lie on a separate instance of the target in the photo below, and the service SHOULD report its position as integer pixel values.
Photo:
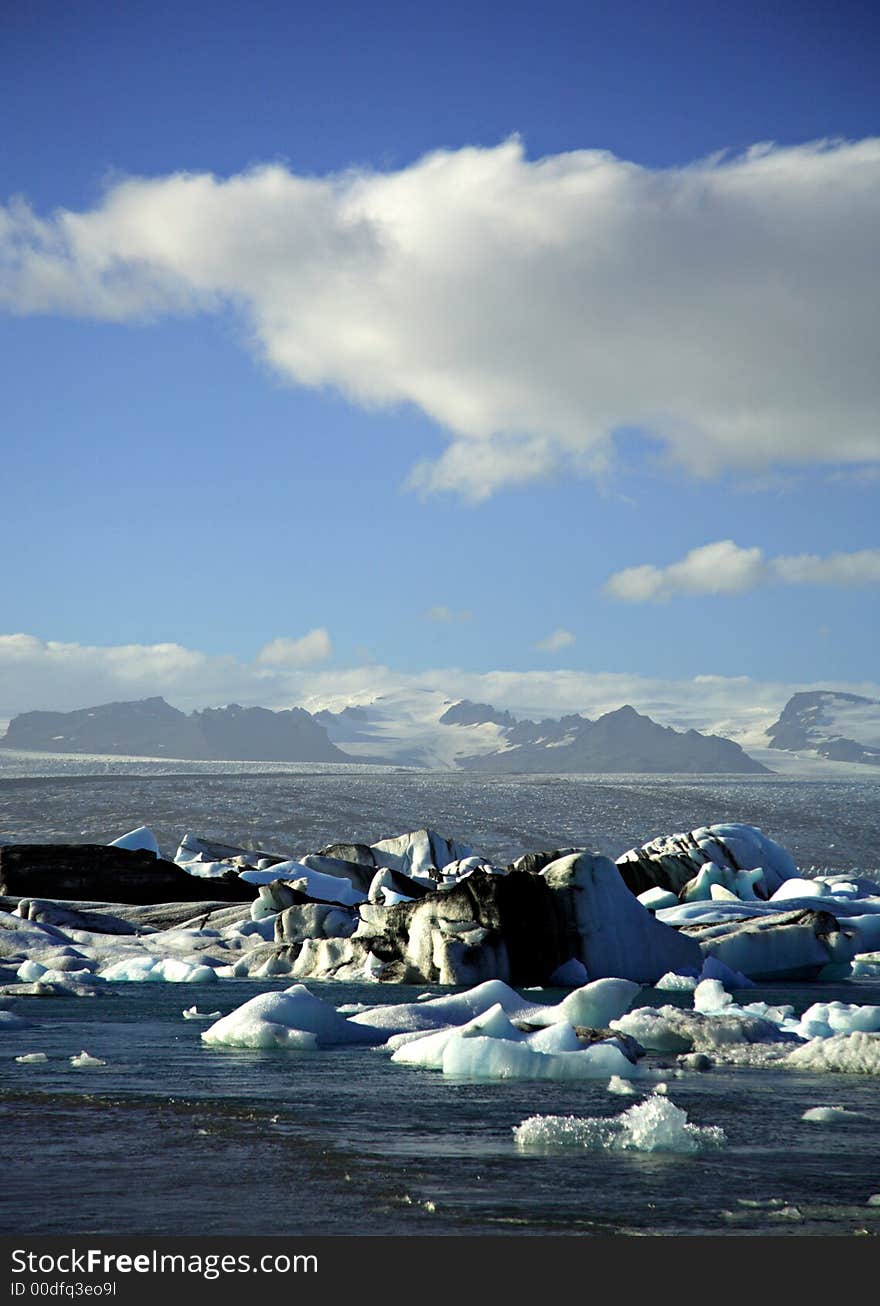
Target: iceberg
(139, 839)
(293, 1018)
(654, 1125)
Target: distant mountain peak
(838, 726)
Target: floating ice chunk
(823, 1019)
(129, 968)
(139, 838)
(852, 1054)
(193, 1013)
(874, 1200)
(673, 1030)
(427, 1050)
(293, 1018)
(866, 966)
(172, 970)
(32, 1058)
(654, 1125)
(620, 1086)
(428, 1013)
(495, 1058)
(594, 1005)
(673, 983)
(86, 1062)
(711, 998)
(829, 1115)
(571, 974)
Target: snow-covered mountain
(407, 729)
(830, 724)
(425, 728)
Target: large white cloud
(529, 307)
(725, 568)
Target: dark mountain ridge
(150, 727)
(623, 740)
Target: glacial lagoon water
(173, 1136)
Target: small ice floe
(823, 1019)
(293, 1018)
(193, 1013)
(86, 1062)
(829, 1115)
(873, 1200)
(491, 1047)
(673, 983)
(851, 1054)
(621, 1086)
(654, 1125)
(31, 1058)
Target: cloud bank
(725, 568)
(531, 308)
(50, 675)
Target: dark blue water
(172, 1136)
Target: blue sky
(215, 448)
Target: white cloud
(445, 615)
(725, 568)
(38, 674)
(719, 568)
(302, 652)
(559, 639)
(529, 307)
(861, 568)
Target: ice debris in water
(829, 1115)
(621, 1086)
(654, 1125)
(193, 1013)
(32, 1058)
(853, 1054)
(84, 1061)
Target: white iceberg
(293, 1018)
(654, 1125)
(141, 838)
